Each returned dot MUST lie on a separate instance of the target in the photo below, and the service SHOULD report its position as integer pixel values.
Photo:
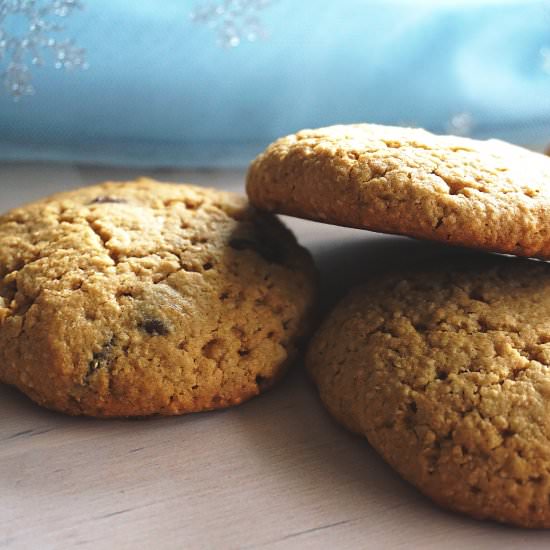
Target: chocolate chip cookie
(446, 371)
(481, 194)
(140, 298)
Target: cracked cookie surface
(481, 194)
(447, 373)
(139, 298)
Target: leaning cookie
(481, 194)
(447, 374)
(145, 298)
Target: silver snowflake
(234, 21)
(27, 37)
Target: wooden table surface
(274, 473)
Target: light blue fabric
(159, 90)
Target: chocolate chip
(8, 290)
(263, 382)
(105, 199)
(268, 250)
(100, 359)
(154, 327)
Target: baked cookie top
(447, 373)
(480, 194)
(129, 299)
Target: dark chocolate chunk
(100, 359)
(8, 290)
(105, 199)
(262, 382)
(154, 327)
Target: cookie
(481, 194)
(140, 298)
(447, 374)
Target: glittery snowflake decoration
(28, 30)
(234, 21)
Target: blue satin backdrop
(159, 89)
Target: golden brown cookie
(447, 374)
(139, 298)
(481, 194)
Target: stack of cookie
(446, 370)
(141, 298)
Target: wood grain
(275, 473)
